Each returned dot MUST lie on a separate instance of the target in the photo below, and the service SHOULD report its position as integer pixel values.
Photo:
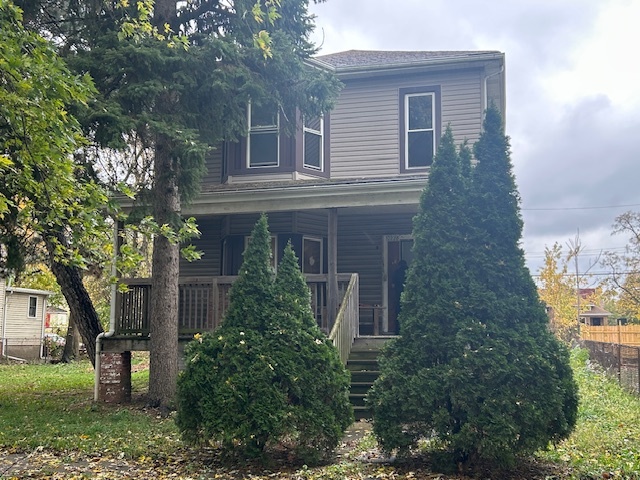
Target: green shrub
(268, 376)
(476, 368)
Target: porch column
(332, 265)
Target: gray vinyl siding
(208, 243)
(279, 222)
(213, 163)
(361, 249)
(365, 125)
(257, 177)
(311, 223)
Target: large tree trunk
(72, 345)
(163, 360)
(80, 304)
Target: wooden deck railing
(203, 301)
(345, 329)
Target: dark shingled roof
(366, 58)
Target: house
(56, 320)
(22, 321)
(343, 189)
(592, 314)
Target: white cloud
(573, 95)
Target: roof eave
(453, 62)
(30, 291)
(308, 197)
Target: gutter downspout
(486, 95)
(112, 313)
(42, 322)
(4, 323)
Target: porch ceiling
(398, 192)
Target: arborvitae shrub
(476, 369)
(268, 376)
(316, 381)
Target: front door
(399, 256)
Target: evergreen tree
(489, 380)
(409, 396)
(268, 375)
(312, 374)
(251, 299)
(177, 103)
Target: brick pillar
(115, 377)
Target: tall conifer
(268, 375)
(476, 365)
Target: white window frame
(319, 133)
(407, 131)
(262, 130)
(321, 259)
(35, 307)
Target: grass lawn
(50, 428)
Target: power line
(600, 207)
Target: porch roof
(307, 195)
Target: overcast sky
(573, 97)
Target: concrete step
(360, 387)
(365, 376)
(362, 364)
(361, 413)
(358, 399)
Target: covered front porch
(353, 241)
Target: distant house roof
(595, 311)
(56, 310)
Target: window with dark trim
(312, 255)
(33, 307)
(420, 127)
(313, 143)
(263, 140)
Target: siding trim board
(375, 192)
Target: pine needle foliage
(268, 376)
(476, 370)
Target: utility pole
(575, 248)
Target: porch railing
(203, 302)
(345, 329)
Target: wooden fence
(621, 361)
(619, 334)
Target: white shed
(22, 321)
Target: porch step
(363, 365)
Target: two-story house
(344, 189)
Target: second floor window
(313, 141)
(420, 139)
(263, 149)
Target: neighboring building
(593, 315)
(344, 189)
(590, 313)
(22, 321)
(56, 320)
